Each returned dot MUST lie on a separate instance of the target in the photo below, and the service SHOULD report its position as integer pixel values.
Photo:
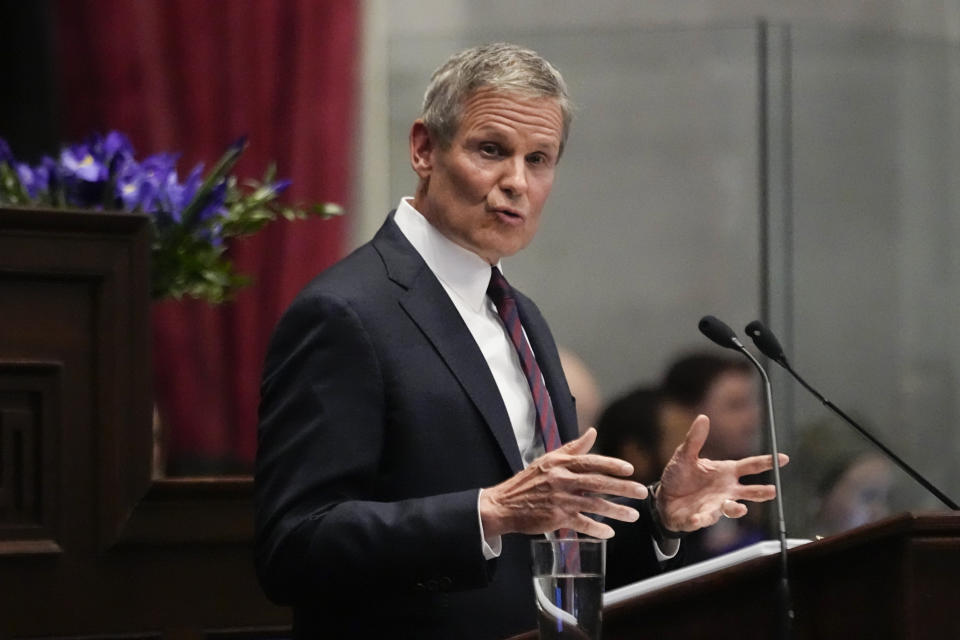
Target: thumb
(696, 437)
(583, 444)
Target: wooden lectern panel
(91, 545)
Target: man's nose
(513, 182)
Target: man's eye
(537, 159)
(489, 149)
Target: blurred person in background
(842, 482)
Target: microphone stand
(717, 331)
(786, 601)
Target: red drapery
(191, 76)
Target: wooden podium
(91, 544)
(897, 578)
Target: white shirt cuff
(669, 550)
(491, 547)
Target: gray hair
(499, 66)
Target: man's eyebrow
(544, 143)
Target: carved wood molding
(30, 407)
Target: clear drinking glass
(568, 586)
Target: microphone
(720, 333)
(766, 342)
(770, 346)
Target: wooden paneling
(91, 545)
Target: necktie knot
(498, 289)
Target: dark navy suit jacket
(379, 423)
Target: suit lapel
(429, 306)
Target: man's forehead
(491, 107)
(512, 94)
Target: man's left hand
(695, 492)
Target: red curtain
(188, 76)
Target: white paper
(756, 550)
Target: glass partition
(865, 261)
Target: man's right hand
(557, 489)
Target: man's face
(486, 190)
(734, 410)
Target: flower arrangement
(190, 218)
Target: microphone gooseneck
(720, 333)
(770, 346)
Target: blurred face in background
(733, 405)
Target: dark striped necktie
(501, 293)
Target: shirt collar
(461, 270)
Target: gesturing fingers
(556, 491)
(696, 436)
(756, 492)
(758, 464)
(571, 477)
(593, 463)
(732, 509)
(581, 444)
(601, 507)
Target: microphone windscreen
(717, 331)
(765, 340)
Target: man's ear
(421, 150)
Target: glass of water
(568, 586)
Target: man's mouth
(510, 215)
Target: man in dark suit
(402, 461)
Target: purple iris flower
(157, 173)
(109, 150)
(35, 180)
(80, 163)
(86, 168)
(178, 196)
(84, 175)
(129, 186)
(116, 145)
